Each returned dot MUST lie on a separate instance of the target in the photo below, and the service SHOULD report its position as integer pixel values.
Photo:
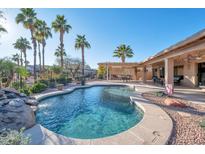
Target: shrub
(38, 87)
(61, 80)
(15, 85)
(202, 123)
(25, 90)
(13, 137)
(46, 82)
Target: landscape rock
(10, 118)
(11, 95)
(16, 102)
(31, 102)
(22, 95)
(10, 90)
(3, 97)
(16, 110)
(174, 102)
(2, 93)
(4, 102)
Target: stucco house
(185, 58)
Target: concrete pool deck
(155, 127)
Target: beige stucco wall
(190, 74)
(123, 71)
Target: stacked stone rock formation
(16, 110)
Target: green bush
(25, 90)
(38, 87)
(13, 137)
(46, 82)
(15, 85)
(61, 80)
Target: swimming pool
(90, 113)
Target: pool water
(90, 113)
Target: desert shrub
(202, 123)
(15, 85)
(46, 82)
(38, 87)
(62, 80)
(26, 90)
(13, 137)
(159, 94)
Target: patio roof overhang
(118, 64)
(195, 43)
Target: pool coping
(154, 128)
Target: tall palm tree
(46, 32)
(60, 53)
(82, 43)
(122, 52)
(60, 25)
(22, 44)
(2, 29)
(27, 17)
(38, 34)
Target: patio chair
(177, 79)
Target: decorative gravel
(186, 121)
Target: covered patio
(184, 61)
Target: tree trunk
(123, 59)
(61, 47)
(43, 54)
(62, 60)
(39, 54)
(83, 65)
(21, 58)
(34, 55)
(25, 58)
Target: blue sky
(147, 31)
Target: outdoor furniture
(115, 77)
(126, 78)
(177, 79)
(60, 86)
(157, 80)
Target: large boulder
(174, 102)
(31, 102)
(15, 114)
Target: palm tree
(60, 25)
(122, 52)
(46, 32)
(16, 58)
(22, 44)
(2, 29)
(82, 43)
(38, 34)
(28, 18)
(60, 53)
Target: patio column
(144, 74)
(107, 70)
(169, 71)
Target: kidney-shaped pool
(89, 113)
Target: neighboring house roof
(119, 63)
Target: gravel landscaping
(186, 121)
